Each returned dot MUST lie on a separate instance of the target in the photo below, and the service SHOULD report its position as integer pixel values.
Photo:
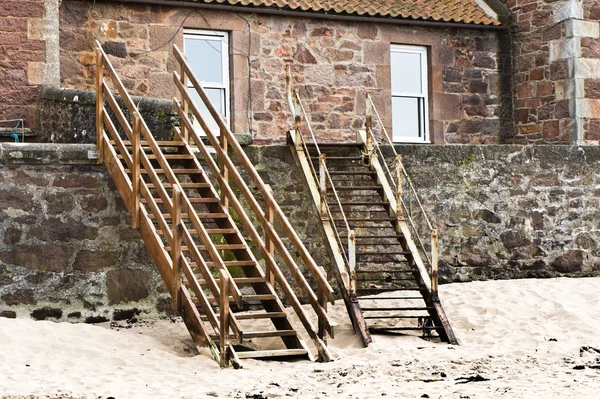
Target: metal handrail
(300, 113)
(370, 106)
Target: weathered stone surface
(19, 297)
(55, 229)
(90, 261)
(569, 263)
(46, 313)
(53, 258)
(126, 285)
(125, 314)
(9, 314)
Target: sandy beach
(518, 339)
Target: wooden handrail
(279, 216)
(226, 170)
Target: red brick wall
(335, 64)
(22, 56)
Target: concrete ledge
(46, 154)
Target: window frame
(223, 38)
(423, 97)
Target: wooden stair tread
(374, 220)
(160, 143)
(405, 309)
(391, 298)
(200, 215)
(334, 145)
(166, 156)
(351, 173)
(237, 280)
(387, 289)
(232, 263)
(183, 185)
(359, 188)
(219, 247)
(362, 203)
(336, 158)
(174, 170)
(245, 298)
(271, 353)
(383, 253)
(264, 334)
(192, 200)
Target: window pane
(205, 58)
(217, 98)
(406, 73)
(406, 116)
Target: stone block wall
(334, 64)
(67, 249)
(22, 58)
(556, 64)
(68, 252)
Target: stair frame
(398, 211)
(173, 266)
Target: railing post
(99, 105)
(176, 247)
(323, 185)
(224, 171)
(434, 262)
(184, 104)
(399, 176)
(369, 125)
(352, 260)
(269, 246)
(135, 168)
(224, 318)
(322, 298)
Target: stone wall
(67, 250)
(69, 116)
(556, 64)
(22, 58)
(334, 64)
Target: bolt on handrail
(397, 184)
(299, 113)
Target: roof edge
(318, 15)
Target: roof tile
(460, 11)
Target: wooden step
(167, 156)
(370, 253)
(391, 298)
(375, 329)
(175, 171)
(364, 203)
(335, 145)
(358, 188)
(257, 316)
(352, 173)
(263, 334)
(385, 271)
(209, 231)
(387, 279)
(407, 309)
(246, 298)
(379, 290)
(254, 316)
(219, 247)
(373, 220)
(192, 200)
(237, 280)
(271, 353)
(200, 215)
(364, 238)
(158, 142)
(183, 185)
(232, 263)
(339, 158)
(393, 316)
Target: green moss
(160, 113)
(468, 159)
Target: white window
(409, 94)
(208, 55)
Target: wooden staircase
(199, 233)
(390, 282)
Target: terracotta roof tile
(460, 11)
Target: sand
(519, 339)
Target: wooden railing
(400, 199)
(269, 243)
(133, 189)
